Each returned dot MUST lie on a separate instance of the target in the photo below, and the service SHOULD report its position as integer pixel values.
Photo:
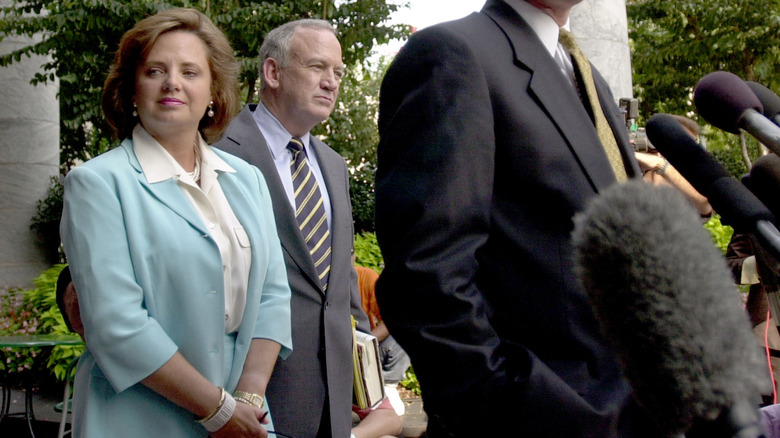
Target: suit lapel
(251, 146)
(167, 192)
(554, 93)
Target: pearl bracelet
(221, 415)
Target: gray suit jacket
(321, 329)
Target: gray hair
(277, 43)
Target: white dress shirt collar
(542, 24)
(159, 165)
(548, 31)
(277, 138)
(274, 132)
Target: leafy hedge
(367, 251)
(721, 234)
(35, 311)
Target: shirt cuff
(749, 271)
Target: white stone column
(601, 28)
(29, 156)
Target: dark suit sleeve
(433, 197)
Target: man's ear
(272, 71)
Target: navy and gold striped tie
(310, 211)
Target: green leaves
(367, 252)
(35, 311)
(676, 43)
(80, 38)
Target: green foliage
(410, 381)
(46, 221)
(351, 129)
(352, 132)
(721, 234)
(674, 44)
(80, 38)
(17, 317)
(367, 251)
(35, 311)
(361, 191)
(44, 298)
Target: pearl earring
(210, 112)
(135, 113)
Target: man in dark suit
(486, 153)
(310, 393)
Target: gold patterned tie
(607, 137)
(310, 211)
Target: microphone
(765, 181)
(727, 102)
(769, 100)
(664, 297)
(737, 205)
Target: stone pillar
(29, 157)
(601, 28)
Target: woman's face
(173, 84)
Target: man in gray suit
(310, 393)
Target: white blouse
(213, 208)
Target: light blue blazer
(149, 281)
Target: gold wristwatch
(249, 398)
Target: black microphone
(664, 297)
(769, 100)
(737, 205)
(765, 181)
(727, 102)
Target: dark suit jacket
(486, 153)
(321, 328)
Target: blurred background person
(380, 422)
(657, 170)
(742, 255)
(173, 249)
